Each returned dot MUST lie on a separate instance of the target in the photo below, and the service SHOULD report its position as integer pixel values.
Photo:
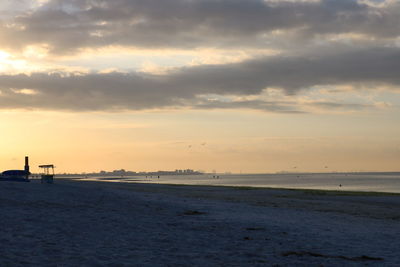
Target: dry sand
(76, 223)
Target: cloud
(68, 25)
(267, 106)
(186, 87)
(288, 107)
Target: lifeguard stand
(47, 175)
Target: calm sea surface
(377, 182)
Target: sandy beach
(78, 223)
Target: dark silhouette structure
(47, 176)
(17, 175)
(26, 167)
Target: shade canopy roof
(46, 166)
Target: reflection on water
(377, 182)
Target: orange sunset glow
(92, 85)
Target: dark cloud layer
(186, 87)
(67, 25)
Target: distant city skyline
(252, 86)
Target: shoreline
(304, 190)
(244, 187)
(331, 182)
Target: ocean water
(375, 182)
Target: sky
(247, 86)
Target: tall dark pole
(27, 166)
